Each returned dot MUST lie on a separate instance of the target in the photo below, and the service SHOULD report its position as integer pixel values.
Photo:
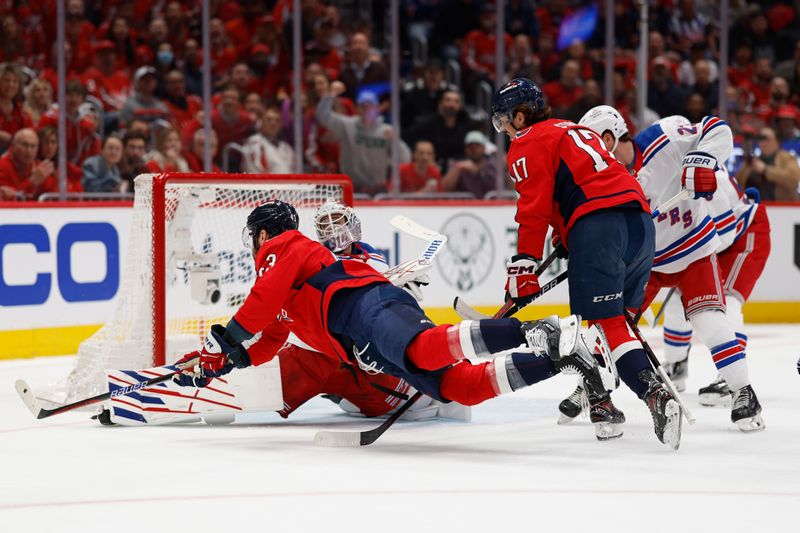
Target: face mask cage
(337, 227)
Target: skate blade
(672, 429)
(749, 425)
(607, 430)
(564, 419)
(714, 400)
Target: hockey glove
(699, 174)
(215, 359)
(522, 283)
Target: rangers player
(567, 179)
(668, 156)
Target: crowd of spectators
(134, 86)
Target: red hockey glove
(699, 174)
(522, 282)
(216, 358)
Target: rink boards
(61, 266)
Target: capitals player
(351, 313)
(568, 180)
(743, 228)
(668, 156)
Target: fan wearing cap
(143, 103)
(82, 140)
(364, 139)
(104, 80)
(477, 173)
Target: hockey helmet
(274, 216)
(514, 93)
(337, 226)
(605, 118)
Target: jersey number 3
(580, 137)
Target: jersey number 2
(578, 136)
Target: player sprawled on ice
(568, 180)
(352, 314)
(304, 372)
(668, 156)
(743, 229)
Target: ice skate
(717, 393)
(607, 419)
(666, 412)
(678, 372)
(552, 336)
(746, 411)
(573, 405)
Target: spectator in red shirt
(19, 172)
(50, 74)
(478, 50)
(241, 30)
(82, 138)
(119, 34)
(79, 33)
(759, 84)
(157, 33)
(182, 107)
(38, 99)
(322, 152)
(12, 117)
(177, 30)
(321, 50)
(740, 70)
(167, 155)
(778, 97)
(104, 80)
(195, 156)
(142, 103)
(48, 151)
(421, 174)
(522, 62)
(254, 104)
(241, 75)
(360, 69)
(232, 123)
(223, 55)
(563, 94)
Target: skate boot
(666, 412)
(573, 405)
(746, 411)
(607, 419)
(552, 336)
(678, 372)
(717, 393)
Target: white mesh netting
(208, 271)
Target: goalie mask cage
(186, 267)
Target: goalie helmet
(275, 217)
(337, 226)
(605, 118)
(517, 92)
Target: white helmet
(337, 226)
(605, 118)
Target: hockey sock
(443, 345)
(626, 351)
(470, 384)
(677, 331)
(729, 357)
(733, 309)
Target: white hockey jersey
(731, 210)
(687, 232)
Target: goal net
(186, 267)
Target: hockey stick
(351, 439)
(663, 307)
(435, 240)
(672, 202)
(660, 370)
(30, 401)
(467, 312)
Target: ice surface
(511, 469)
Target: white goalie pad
(249, 389)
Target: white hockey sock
(677, 330)
(734, 311)
(715, 330)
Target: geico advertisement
(60, 266)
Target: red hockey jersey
(563, 171)
(296, 279)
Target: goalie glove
(699, 174)
(216, 358)
(410, 276)
(523, 282)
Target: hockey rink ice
(510, 469)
